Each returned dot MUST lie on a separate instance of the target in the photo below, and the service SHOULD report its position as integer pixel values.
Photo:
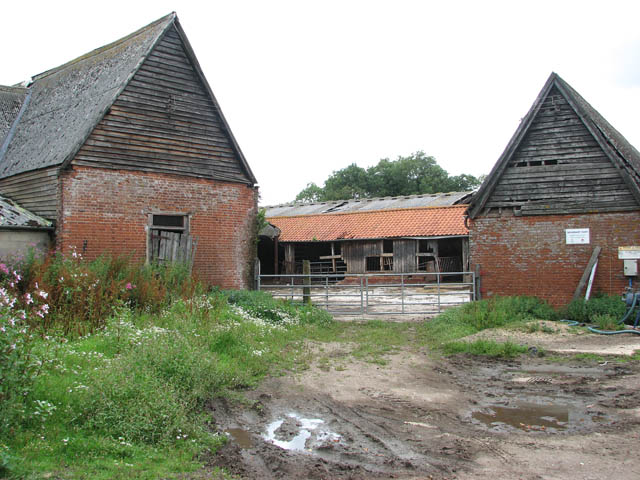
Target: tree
(413, 175)
(310, 194)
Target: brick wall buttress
(528, 255)
(109, 210)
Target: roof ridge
(171, 16)
(382, 210)
(366, 199)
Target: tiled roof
(408, 222)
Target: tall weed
(588, 311)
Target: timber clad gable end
(564, 158)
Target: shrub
(83, 294)
(586, 310)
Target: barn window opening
(535, 163)
(374, 264)
(169, 222)
(379, 263)
(387, 246)
(168, 238)
(551, 162)
(424, 247)
(521, 164)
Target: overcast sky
(309, 87)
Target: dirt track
(455, 418)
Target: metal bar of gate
(361, 299)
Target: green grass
(442, 332)
(486, 348)
(129, 401)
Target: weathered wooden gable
(559, 161)
(166, 121)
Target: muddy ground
(453, 418)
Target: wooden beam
(587, 272)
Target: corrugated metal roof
(367, 204)
(408, 222)
(13, 215)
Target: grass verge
(443, 332)
(129, 401)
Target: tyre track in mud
(415, 419)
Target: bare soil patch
(459, 417)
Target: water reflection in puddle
(526, 416)
(302, 430)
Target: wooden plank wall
(36, 191)
(164, 122)
(560, 168)
(404, 256)
(355, 253)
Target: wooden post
(289, 259)
(275, 256)
(466, 267)
(306, 290)
(587, 272)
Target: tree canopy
(415, 174)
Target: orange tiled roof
(408, 222)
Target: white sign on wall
(629, 253)
(577, 236)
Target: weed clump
(474, 317)
(593, 310)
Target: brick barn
(567, 182)
(127, 151)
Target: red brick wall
(529, 256)
(109, 209)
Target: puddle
(241, 437)
(529, 416)
(297, 433)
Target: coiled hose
(572, 323)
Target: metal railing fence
(420, 293)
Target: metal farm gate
(419, 293)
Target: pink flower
(43, 294)
(4, 268)
(28, 298)
(128, 286)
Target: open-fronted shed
(418, 233)
(566, 183)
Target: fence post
(366, 286)
(257, 273)
(306, 290)
(326, 292)
(402, 289)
